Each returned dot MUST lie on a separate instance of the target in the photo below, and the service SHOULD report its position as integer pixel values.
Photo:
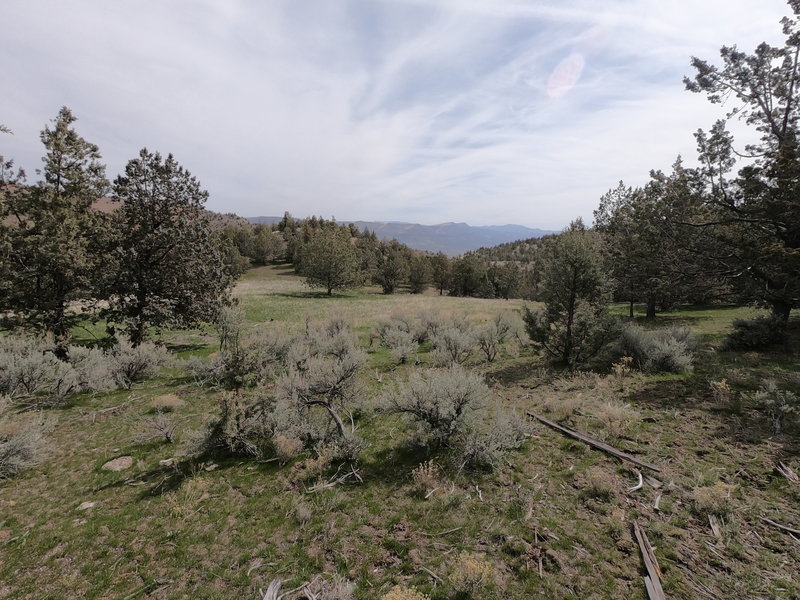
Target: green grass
(225, 529)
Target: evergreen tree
(392, 266)
(419, 273)
(330, 260)
(169, 270)
(755, 216)
(441, 271)
(574, 324)
(52, 242)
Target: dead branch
(111, 410)
(432, 492)
(787, 472)
(431, 573)
(330, 484)
(593, 442)
(656, 503)
(779, 526)
(273, 589)
(713, 522)
(652, 582)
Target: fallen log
(593, 442)
(652, 581)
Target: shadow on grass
(164, 479)
(177, 348)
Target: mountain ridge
(452, 238)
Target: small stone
(167, 462)
(211, 466)
(119, 464)
(86, 505)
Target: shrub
(319, 388)
(160, 426)
(485, 444)
(21, 445)
(779, 405)
(440, 402)
(472, 574)
(452, 344)
(286, 448)
(658, 351)
(94, 368)
(572, 343)
(753, 334)
(237, 431)
(243, 363)
(28, 368)
(401, 343)
(491, 337)
(130, 364)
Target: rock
(167, 462)
(86, 505)
(118, 464)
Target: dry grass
(472, 574)
(167, 403)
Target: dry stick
(431, 573)
(787, 472)
(442, 532)
(433, 491)
(593, 442)
(651, 582)
(779, 526)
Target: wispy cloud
(429, 111)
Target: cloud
(428, 111)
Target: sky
(428, 111)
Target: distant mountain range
(451, 238)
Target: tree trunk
(651, 307)
(631, 309)
(781, 309)
(60, 333)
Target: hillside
(451, 238)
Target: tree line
(153, 260)
(727, 230)
(334, 257)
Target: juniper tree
(52, 239)
(168, 268)
(754, 216)
(574, 323)
(330, 261)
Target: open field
(554, 522)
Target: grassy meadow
(554, 522)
